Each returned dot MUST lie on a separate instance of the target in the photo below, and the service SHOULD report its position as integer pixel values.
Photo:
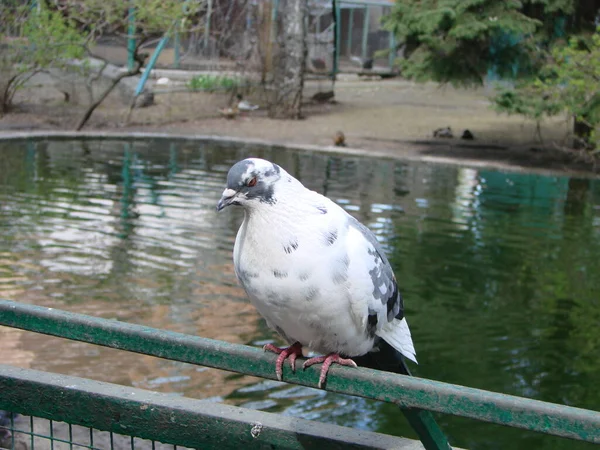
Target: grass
(212, 83)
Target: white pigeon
(244, 105)
(317, 275)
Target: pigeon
(244, 105)
(443, 133)
(322, 97)
(316, 274)
(467, 135)
(364, 63)
(318, 64)
(339, 140)
(229, 113)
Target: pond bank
(390, 118)
(513, 159)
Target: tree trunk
(582, 131)
(289, 59)
(88, 112)
(139, 60)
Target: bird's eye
(252, 182)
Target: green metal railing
(409, 393)
(164, 418)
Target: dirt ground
(393, 117)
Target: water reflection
(497, 270)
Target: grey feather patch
(279, 273)
(312, 293)
(397, 310)
(392, 304)
(331, 237)
(322, 209)
(385, 288)
(246, 275)
(265, 193)
(372, 320)
(292, 246)
(340, 276)
(303, 276)
(277, 299)
(272, 171)
(235, 177)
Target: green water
(498, 270)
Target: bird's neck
(280, 221)
(280, 216)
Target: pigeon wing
(372, 275)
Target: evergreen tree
(465, 41)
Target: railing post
(365, 36)
(430, 434)
(336, 38)
(176, 51)
(350, 26)
(130, 37)
(207, 27)
(392, 55)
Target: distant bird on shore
(363, 63)
(467, 135)
(318, 64)
(230, 112)
(443, 133)
(244, 105)
(339, 140)
(318, 276)
(322, 97)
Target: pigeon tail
(397, 334)
(385, 358)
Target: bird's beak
(226, 199)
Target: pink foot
(328, 361)
(291, 352)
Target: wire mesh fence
(365, 37)
(237, 36)
(18, 432)
(351, 31)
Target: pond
(499, 271)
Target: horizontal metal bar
(405, 391)
(173, 419)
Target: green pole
(392, 55)
(131, 38)
(350, 26)
(177, 55)
(338, 28)
(275, 6)
(365, 35)
(159, 48)
(207, 26)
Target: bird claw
(292, 352)
(327, 361)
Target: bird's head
(251, 182)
